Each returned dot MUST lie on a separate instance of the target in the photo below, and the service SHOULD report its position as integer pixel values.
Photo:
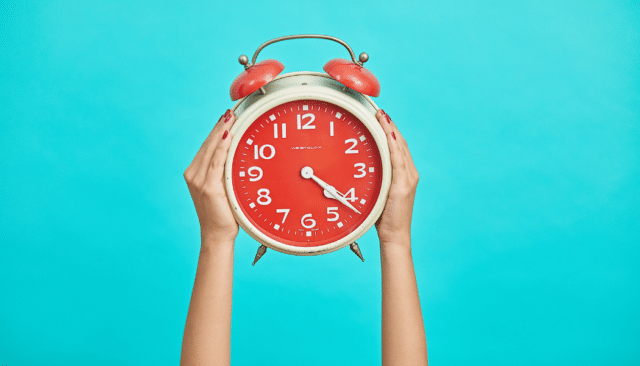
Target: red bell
(353, 76)
(254, 78)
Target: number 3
(360, 167)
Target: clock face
(294, 209)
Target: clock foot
(260, 253)
(356, 249)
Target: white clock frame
(313, 86)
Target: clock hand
(307, 173)
(337, 195)
(328, 195)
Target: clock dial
(310, 210)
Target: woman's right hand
(394, 226)
(205, 179)
(207, 332)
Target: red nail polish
(388, 118)
(382, 112)
(227, 115)
(226, 133)
(394, 135)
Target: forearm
(403, 337)
(207, 331)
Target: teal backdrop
(523, 119)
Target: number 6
(310, 222)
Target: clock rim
(320, 93)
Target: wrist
(209, 244)
(210, 236)
(396, 239)
(395, 253)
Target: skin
(207, 332)
(403, 338)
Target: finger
(216, 137)
(205, 143)
(398, 164)
(391, 126)
(407, 154)
(215, 172)
(384, 120)
(390, 129)
(191, 170)
(388, 125)
(212, 142)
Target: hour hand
(307, 173)
(328, 195)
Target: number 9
(255, 173)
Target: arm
(207, 331)
(403, 337)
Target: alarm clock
(308, 170)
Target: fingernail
(227, 115)
(385, 115)
(392, 134)
(226, 133)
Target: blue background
(523, 118)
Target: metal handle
(245, 61)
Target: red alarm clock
(308, 170)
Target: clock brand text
(305, 147)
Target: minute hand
(332, 191)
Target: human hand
(394, 226)
(205, 179)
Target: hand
(307, 173)
(205, 179)
(394, 226)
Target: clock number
(255, 173)
(263, 197)
(351, 195)
(333, 211)
(331, 128)
(259, 152)
(307, 221)
(361, 168)
(275, 130)
(351, 149)
(285, 211)
(308, 125)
